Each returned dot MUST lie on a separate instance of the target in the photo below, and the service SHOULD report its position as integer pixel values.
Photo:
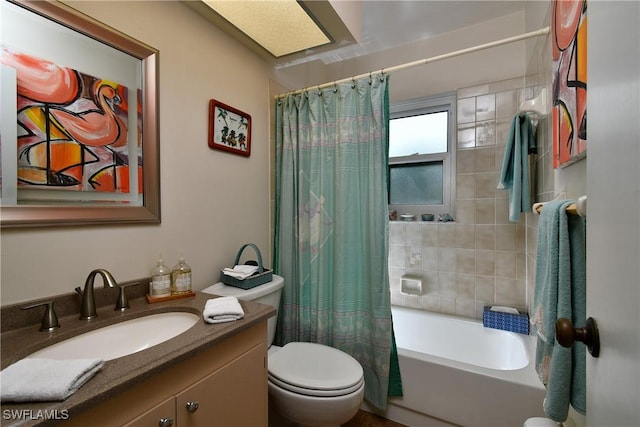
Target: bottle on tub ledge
(181, 278)
(160, 285)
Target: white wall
(212, 202)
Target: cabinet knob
(192, 406)
(165, 422)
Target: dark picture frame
(229, 129)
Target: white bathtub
(457, 372)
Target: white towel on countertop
(45, 380)
(222, 309)
(240, 272)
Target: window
(422, 156)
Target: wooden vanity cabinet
(225, 385)
(233, 393)
(163, 413)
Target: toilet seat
(315, 370)
(314, 392)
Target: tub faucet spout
(88, 304)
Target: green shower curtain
(331, 226)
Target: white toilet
(546, 422)
(574, 419)
(309, 384)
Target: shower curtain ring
(381, 75)
(370, 77)
(335, 87)
(319, 91)
(353, 82)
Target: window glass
(422, 134)
(422, 150)
(416, 184)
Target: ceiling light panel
(280, 26)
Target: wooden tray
(152, 300)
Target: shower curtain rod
(541, 32)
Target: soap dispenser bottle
(160, 285)
(181, 278)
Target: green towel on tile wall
(560, 291)
(514, 175)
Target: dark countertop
(119, 374)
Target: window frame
(431, 104)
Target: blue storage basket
(506, 321)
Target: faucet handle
(122, 302)
(49, 320)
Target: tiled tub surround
(550, 183)
(117, 375)
(463, 267)
(480, 258)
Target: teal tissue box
(506, 321)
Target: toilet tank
(268, 293)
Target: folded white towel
(240, 272)
(44, 380)
(222, 309)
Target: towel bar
(578, 208)
(571, 209)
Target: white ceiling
(388, 24)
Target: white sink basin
(121, 339)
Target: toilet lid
(315, 369)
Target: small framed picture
(229, 129)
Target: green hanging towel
(514, 175)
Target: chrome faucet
(88, 304)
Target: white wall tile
(481, 258)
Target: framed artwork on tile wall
(229, 129)
(569, 50)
